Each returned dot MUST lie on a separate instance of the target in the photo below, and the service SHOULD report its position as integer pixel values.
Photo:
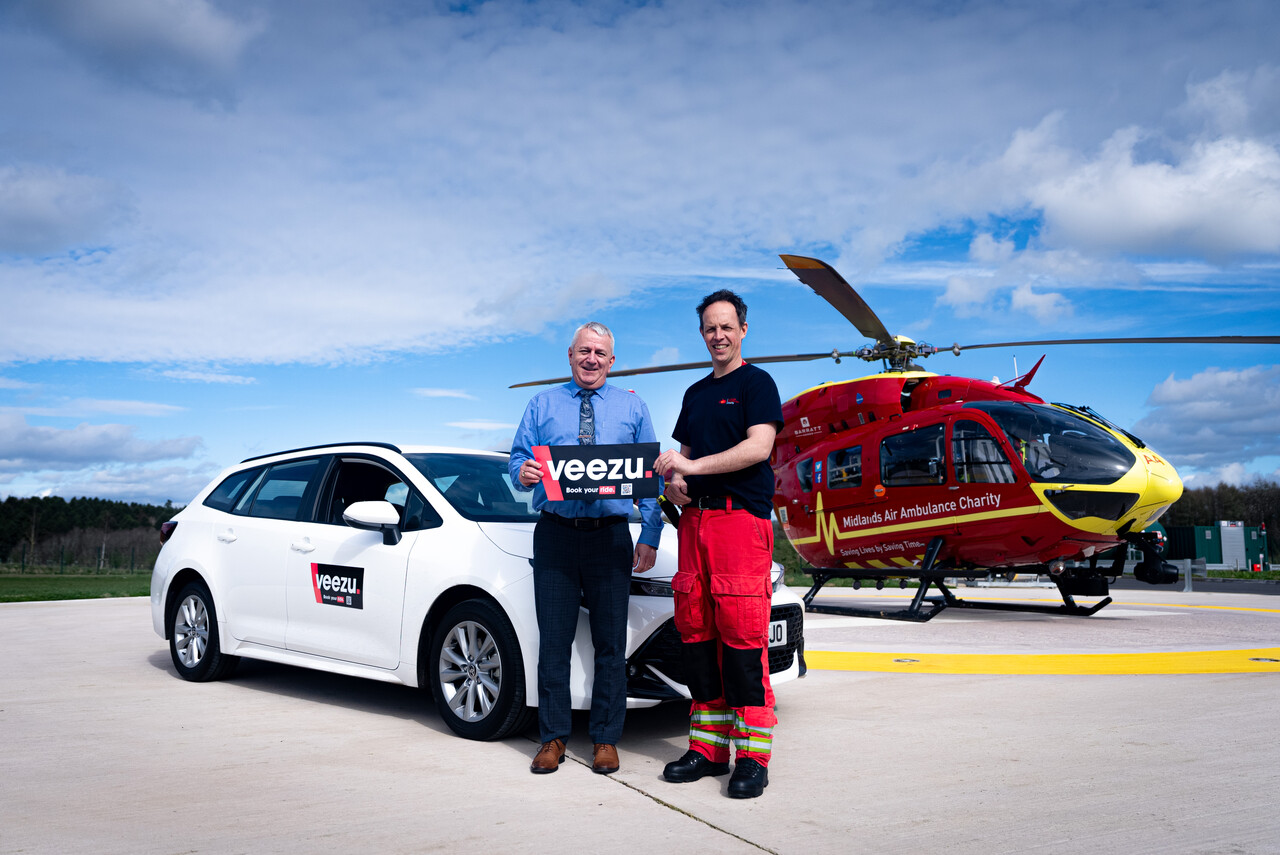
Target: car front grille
(780, 658)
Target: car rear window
(232, 489)
(280, 496)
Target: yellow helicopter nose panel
(1164, 487)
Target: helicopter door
(976, 457)
(986, 493)
(916, 504)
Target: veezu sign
(588, 472)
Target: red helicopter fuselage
(868, 471)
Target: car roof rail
(385, 445)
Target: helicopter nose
(1164, 487)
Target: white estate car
(405, 564)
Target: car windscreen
(1058, 446)
(477, 486)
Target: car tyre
(194, 643)
(477, 673)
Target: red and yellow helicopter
(907, 474)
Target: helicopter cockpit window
(913, 458)
(1057, 446)
(804, 473)
(976, 456)
(844, 468)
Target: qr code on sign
(626, 489)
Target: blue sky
(228, 228)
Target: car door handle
(305, 546)
(227, 536)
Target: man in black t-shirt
(721, 477)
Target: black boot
(692, 766)
(749, 779)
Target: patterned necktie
(586, 420)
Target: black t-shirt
(714, 417)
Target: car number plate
(777, 633)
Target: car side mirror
(375, 516)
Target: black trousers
(572, 568)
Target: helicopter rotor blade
(705, 366)
(1195, 339)
(830, 286)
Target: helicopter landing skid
(929, 576)
(1068, 607)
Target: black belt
(583, 523)
(714, 503)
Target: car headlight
(651, 588)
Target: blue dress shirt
(551, 418)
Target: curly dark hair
(724, 295)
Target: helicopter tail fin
(1022, 382)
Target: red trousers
(723, 591)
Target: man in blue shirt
(582, 550)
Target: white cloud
(186, 47)
(664, 356)
(443, 393)
(151, 484)
(987, 249)
(26, 448)
(1212, 194)
(966, 293)
(481, 425)
(425, 180)
(1215, 418)
(46, 209)
(1045, 307)
(189, 376)
(81, 407)
(10, 383)
(1220, 198)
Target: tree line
(81, 531)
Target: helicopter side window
(844, 468)
(804, 472)
(913, 458)
(976, 456)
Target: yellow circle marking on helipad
(1259, 660)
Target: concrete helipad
(976, 746)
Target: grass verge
(27, 588)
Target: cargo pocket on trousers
(742, 609)
(690, 612)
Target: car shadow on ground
(655, 732)
(323, 687)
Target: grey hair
(595, 327)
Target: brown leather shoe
(604, 760)
(548, 758)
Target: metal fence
(106, 559)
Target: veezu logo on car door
(336, 585)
